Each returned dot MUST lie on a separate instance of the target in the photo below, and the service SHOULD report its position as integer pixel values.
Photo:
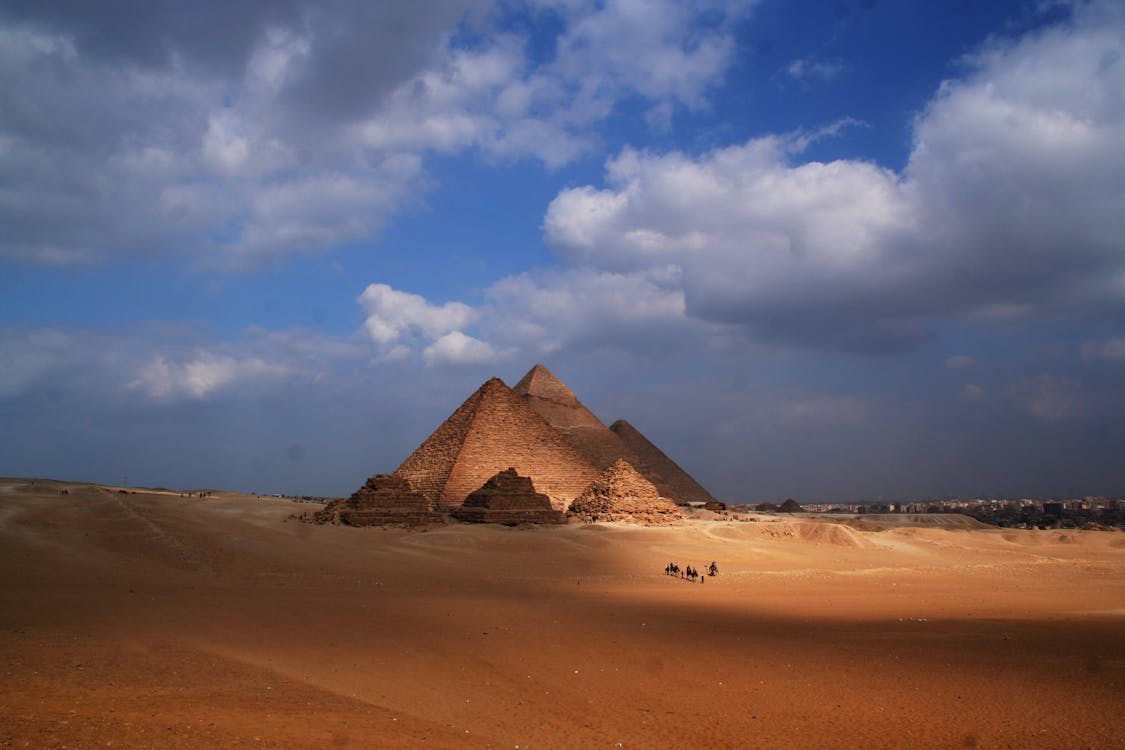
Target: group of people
(690, 573)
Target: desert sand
(149, 619)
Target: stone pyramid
(620, 493)
(492, 431)
(557, 404)
(509, 499)
(382, 500)
(602, 445)
(672, 481)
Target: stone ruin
(510, 499)
(622, 494)
(384, 500)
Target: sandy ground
(152, 620)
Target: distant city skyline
(832, 252)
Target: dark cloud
(213, 35)
(358, 56)
(237, 133)
(356, 51)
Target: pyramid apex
(493, 383)
(539, 382)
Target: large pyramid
(492, 431)
(557, 404)
(602, 445)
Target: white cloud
(535, 313)
(295, 128)
(225, 146)
(959, 362)
(394, 316)
(1013, 200)
(546, 312)
(197, 378)
(756, 239)
(319, 211)
(456, 348)
(656, 48)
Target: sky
(829, 251)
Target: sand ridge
(149, 619)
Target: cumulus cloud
(294, 127)
(548, 311)
(758, 241)
(402, 325)
(662, 49)
(458, 349)
(1013, 200)
(535, 313)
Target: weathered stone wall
(622, 494)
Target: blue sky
(827, 251)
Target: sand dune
(151, 620)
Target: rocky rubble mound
(622, 494)
(384, 500)
(510, 499)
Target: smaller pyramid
(384, 500)
(620, 493)
(510, 499)
(666, 474)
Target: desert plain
(148, 619)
